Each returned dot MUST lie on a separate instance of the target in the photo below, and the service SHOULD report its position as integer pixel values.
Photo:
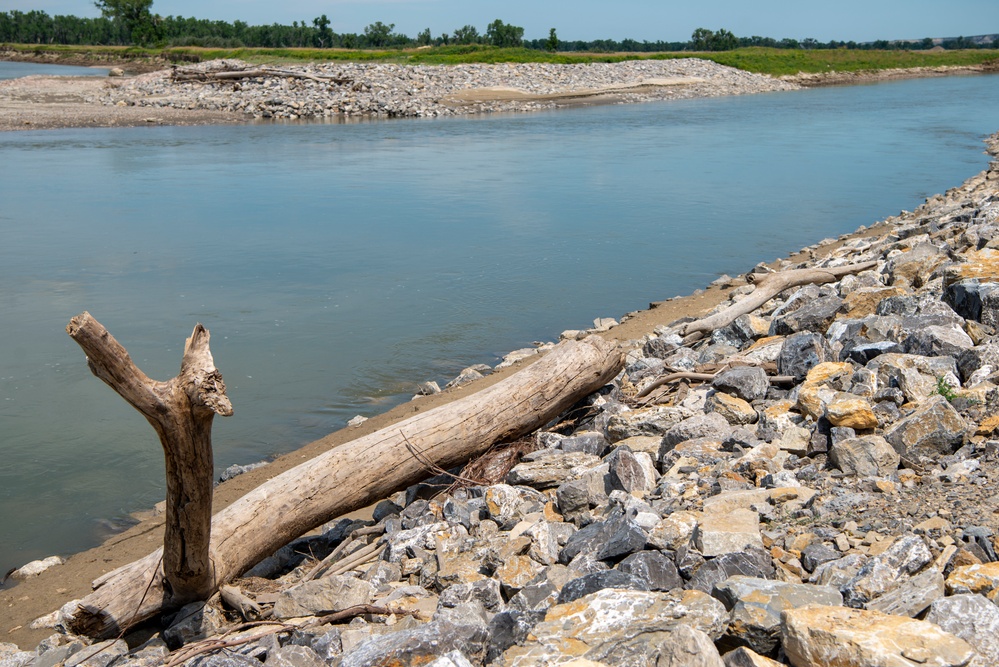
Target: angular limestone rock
(824, 636)
(616, 627)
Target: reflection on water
(9, 70)
(339, 265)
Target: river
(338, 265)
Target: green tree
(324, 36)
(135, 16)
(552, 43)
(468, 34)
(424, 38)
(378, 33)
(503, 34)
(701, 38)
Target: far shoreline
(43, 102)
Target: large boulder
(824, 636)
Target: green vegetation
(945, 389)
(775, 62)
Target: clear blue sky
(668, 20)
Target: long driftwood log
(358, 474)
(181, 411)
(189, 76)
(767, 288)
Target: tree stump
(181, 412)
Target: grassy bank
(776, 62)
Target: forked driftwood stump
(356, 475)
(181, 411)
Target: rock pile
(826, 494)
(365, 89)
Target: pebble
(428, 91)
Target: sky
(652, 20)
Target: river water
(339, 265)
(12, 70)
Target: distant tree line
(131, 22)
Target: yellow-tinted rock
(988, 426)
(828, 370)
(864, 302)
(982, 579)
(851, 412)
(825, 636)
(813, 398)
(980, 264)
(735, 410)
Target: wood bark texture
(767, 288)
(181, 412)
(358, 474)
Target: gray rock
(652, 567)
(550, 468)
(974, 619)
(586, 443)
(756, 605)
(608, 539)
(801, 352)
(630, 472)
(887, 571)
(814, 316)
(749, 383)
(934, 429)
(984, 358)
(294, 656)
(648, 421)
(193, 622)
(704, 425)
(224, 660)
(510, 628)
(418, 646)
(866, 456)
(838, 572)
(913, 596)
(866, 351)
(617, 627)
(816, 554)
(597, 581)
(974, 300)
(753, 562)
(329, 594)
(100, 654)
(688, 647)
(938, 341)
(485, 591)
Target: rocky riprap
(366, 89)
(830, 497)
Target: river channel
(338, 265)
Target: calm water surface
(9, 70)
(339, 265)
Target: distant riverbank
(154, 92)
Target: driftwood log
(356, 475)
(198, 76)
(767, 288)
(181, 411)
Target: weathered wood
(359, 473)
(181, 412)
(187, 76)
(768, 287)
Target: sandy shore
(53, 102)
